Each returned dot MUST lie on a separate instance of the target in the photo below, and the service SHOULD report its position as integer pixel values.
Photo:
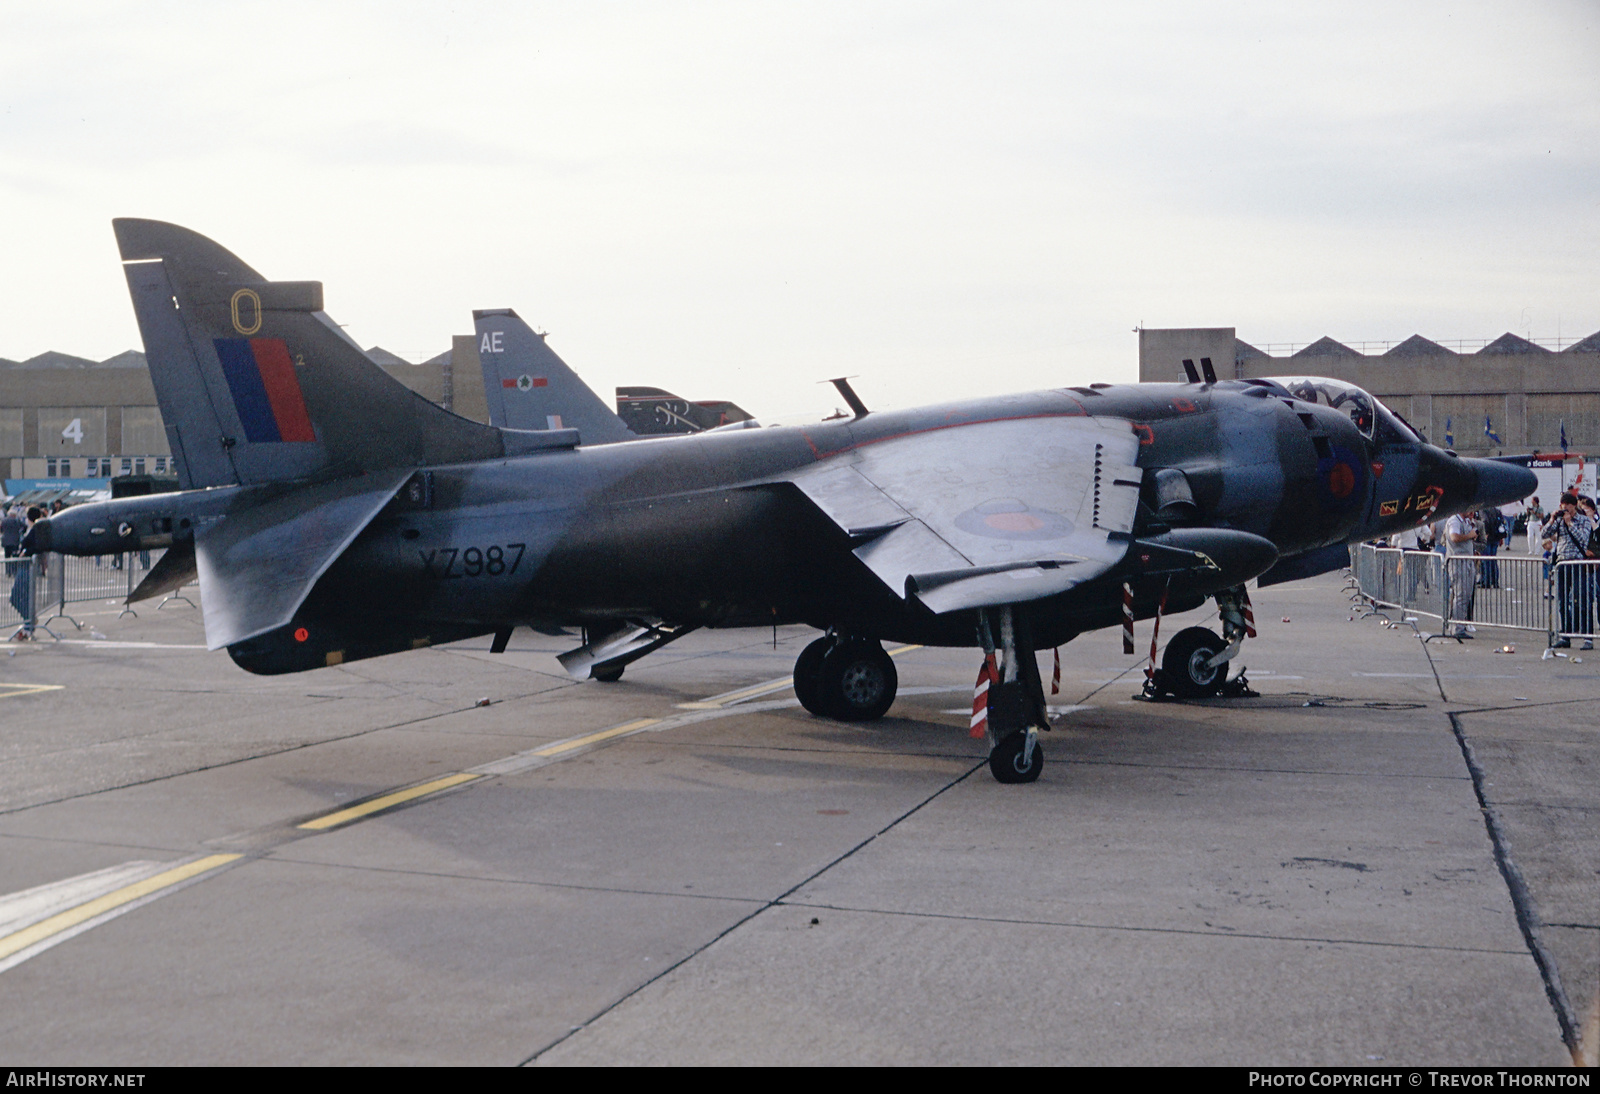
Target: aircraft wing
(990, 513)
(258, 564)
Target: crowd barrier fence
(1573, 599)
(1515, 592)
(71, 579)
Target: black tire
(857, 681)
(1005, 760)
(607, 674)
(1184, 663)
(808, 676)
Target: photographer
(1567, 536)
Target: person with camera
(1567, 536)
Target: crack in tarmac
(1521, 899)
(530, 882)
(1214, 933)
(776, 901)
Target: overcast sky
(738, 200)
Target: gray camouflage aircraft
(331, 514)
(527, 386)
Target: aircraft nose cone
(1500, 483)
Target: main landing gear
(850, 679)
(1015, 712)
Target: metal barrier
(1510, 591)
(1421, 581)
(69, 579)
(1499, 591)
(19, 612)
(1573, 599)
(1408, 581)
(1366, 566)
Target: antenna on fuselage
(1188, 367)
(1210, 373)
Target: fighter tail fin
(257, 384)
(528, 387)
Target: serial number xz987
(493, 561)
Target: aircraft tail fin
(528, 387)
(651, 410)
(257, 384)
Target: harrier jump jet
(331, 514)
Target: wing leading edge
(1051, 508)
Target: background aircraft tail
(257, 384)
(650, 410)
(528, 387)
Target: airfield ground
(1303, 878)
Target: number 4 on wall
(74, 431)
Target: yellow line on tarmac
(28, 689)
(898, 650)
(61, 921)
(387, 801)
(604, 734)
(728, 698)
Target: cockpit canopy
(1370, 417)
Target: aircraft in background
(331, 514)
(652, 411)
(528, 386)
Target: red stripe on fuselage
(283, 389)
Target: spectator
(1489, 533)
(22, 582)
(1535, 528)
(1460, 540)
(1418, 544)
(12, 526)
(1567, 536)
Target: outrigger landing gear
(849, 679)
(1016, 704)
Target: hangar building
(1455, 393)
(68, 420)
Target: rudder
(257, 384)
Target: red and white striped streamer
(1127, 618)
(1249, 617)
(1055, 677)
(980, 697)
(1155, 630)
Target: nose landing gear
(1195, 664)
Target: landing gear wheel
(1005, 760)
(857, 681)
(607, 674)
(808, 676)
(1184, 662)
